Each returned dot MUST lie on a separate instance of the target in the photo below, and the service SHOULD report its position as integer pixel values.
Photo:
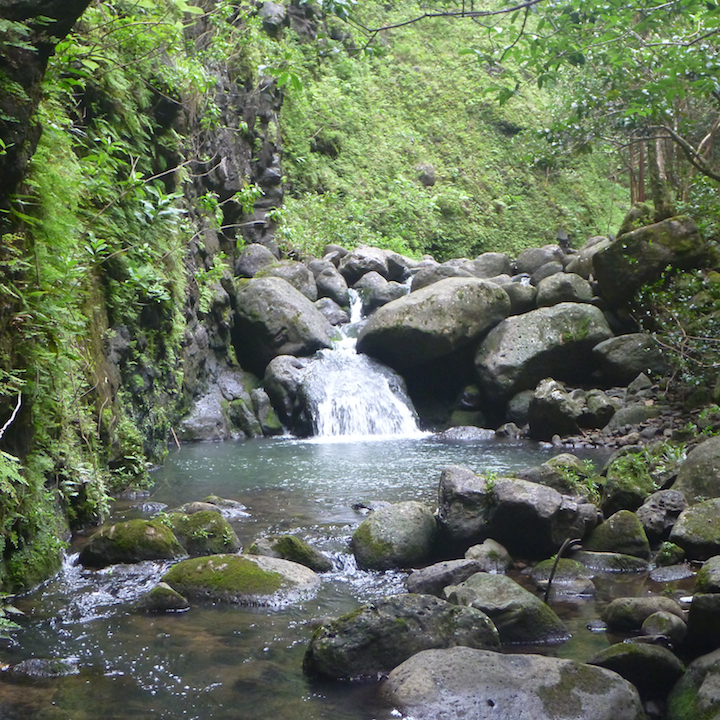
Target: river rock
(429, 275)
(431, 580)
(273, 318)
(697, 530)
(203, 533)
(376, 297)
(289, 547)
(665, 624)
(628, 484)
(207, 420)
(491, 555)
(582, 263)
(380, 635)
(652, 669)
(553, 411)
(363, 260)
(331, 284)
(571, 577)
(254, 257)
(333, 313)
(162, 598)
(707, 579)
(532, 259)
(608, 562)
(699, 476)
(565, 473)
(620, 533)
(704, 622)
(529, 519)
(545, 271)
(669, 554)
(491, 264)
(468, 683)
(433, 322)
(660, 512)
(295, 273)
(399, 535)
(522, 297)
(552, 342)
(695, 696)
(241, 579)
(563, 287)
(623, 358)
(642, 255)
(283, 378)
(519, 616)
(131, 541)
(628, 614)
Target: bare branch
(12, 417)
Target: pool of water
(218, 661)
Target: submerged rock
(378, 636)
(628, 614)
(610, 562)
(482, 685)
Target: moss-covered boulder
(519, 616)
(699, 476)
(395, 536)
(695, 696)
(162, 598)
(205, 532)
(131, 541)
(433, 322)
(289, 547)
(620, 533)
(628, 483)
(378, 636)
(704, 622)
(663, 624)
(708, 577)
(241, 579)
(697, 530)
(570, 578)
(628, 614)
(491, 555)
(608, 562)
(660, 512)
(463, 682)
(669, 554)
(652, 669)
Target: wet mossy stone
(652, 669)
(699, 476)
(628, 483)
(289, 547)
(43, 668)
(205, 532)
(482, 685)
(665, 624)
(697, 530)
(492, 556)
(611, 562)
(378, 636)
(694, 697)
(620, 533)
(519, 616)
(707, 579)
(704, 622)
(669, 554)
(628, 614)
(131, 541)
(433, 579)
(162, 598)
(241, 579)
(395, 536)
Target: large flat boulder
(433, 322)
(552, 342)
(273, 318)
(482, 685)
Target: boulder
(667, 625)
(273, 318)
(563, 287)
(623, 358)
(660, 512)
(289, 547)
(697, 530)
(376, 297)
(262, 407)
(331, 284)
(627, 485)
(532, 259)
(669, 554)
(545, 271)
(571, 578)
(363, 260)
(162, 598)
(467, 683)
(283, 378)
(295, 273)
(553, 411)
(565, 473)
(380, 635)
(399, 535)
(207, 419)
(491, 264)
(491, 556)
(433, 322)
(548, 342)
(241, 579)
(582, 263)
(642, 255)
(431, 580)
(529, 519)
(699, 476)
(607, 562)
(131, 541)
(519, 616)
(652, 669)
(434, 273)
(620, 533)
(205, 532)
(707, 579)
(253, 258)
(695, 695)
(333, 313)
(522, 297)
(704, 622)
(629, 613)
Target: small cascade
(351, 395)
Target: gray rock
(433, 322)
(623, 358)
(546, 271)
(519, 616)
(380, 295)
(44, 668)
(431, 580)
(554, 411)
(363, 260)
(399, 535)
(660, 512)
(482, 685)
(548, 342)
(491, 556)
(669, 554)
(697, 530)
(331, 284)
(628, 614)
(295, 273)
(490, 264)
(695, 695)
(289, 547)
(582, 263)
(608, 562)
(333, 313)
(262, 407)
(704, 622)
(273, 318)
(207, 420)
(522, 297)
(283, 377)
(378, 636)
(563, 287)
(205, 532)
(464, 434)
(253, 258)
(571, 579)
(708, 578)
(699, 476)
(162, 598)
(434, 273)
(667, 625)
(531, 259)
(370, 280)
(620, 533)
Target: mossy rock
(567, 570)
(707, 579)
(162, 598)
(241, 579)
(697, 530)
(620, 533)
(289, 547)
(628, 614)
(609, 562)
(669, 554)
(694, 697)
(131, 541)
(627, 485)
(205, 532)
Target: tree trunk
(659, 186)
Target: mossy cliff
(163, 130)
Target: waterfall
(350, 395)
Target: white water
(354, 397)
